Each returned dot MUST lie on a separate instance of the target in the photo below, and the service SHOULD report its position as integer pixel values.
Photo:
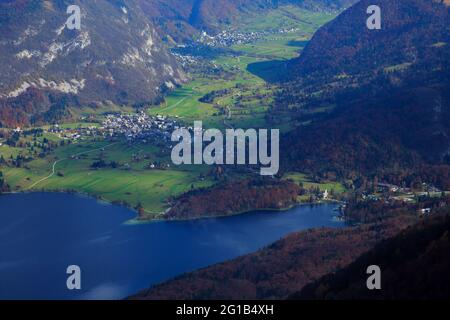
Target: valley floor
(139, 174)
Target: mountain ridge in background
(181, 19)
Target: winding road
(60, 160)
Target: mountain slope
(410, 32)
(389, 90)
(116, 57)
(414, 265)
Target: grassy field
(184, 102)
(251, 66)
(286, 17)
(129, 185)
(301, 178)
(7, 151)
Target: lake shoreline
(137, 220)
(285, 209)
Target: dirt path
(60, 160)
(176, 104)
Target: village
(138, 126)
(391, 194)
(228, 38)
(192, 53)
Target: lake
(41, 234)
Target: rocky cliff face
(116, 56)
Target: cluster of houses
(187, 54)
(390, 192)
(185, 60)
(227, 38)
(139, 126)
(74, 134)
(391, 188)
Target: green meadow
(307, 183)
(251, 66)
(286, 17)
(131, 184)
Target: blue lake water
(41, 234)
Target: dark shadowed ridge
(389, 90)
(414, 265)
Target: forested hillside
(414, 265)
(385, 94)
